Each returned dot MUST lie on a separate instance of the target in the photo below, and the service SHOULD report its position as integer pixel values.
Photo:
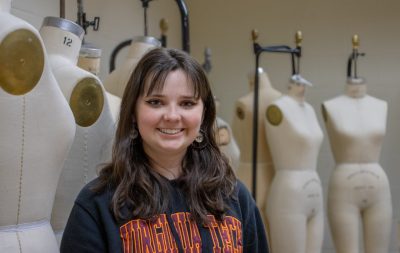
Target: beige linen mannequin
(89, 60)
(36, 132)
(94, 122)
(359, 189)
(295, 204)
(242, 130)
(116, 81)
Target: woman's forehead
(157, 85)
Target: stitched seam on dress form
(21, 168)
(85, 157)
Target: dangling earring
(199, 138)
(200, 141)
(134, 133)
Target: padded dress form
(295, 204)
(36, 131)
(359, 187)
(242, 126)
(227, 143)
(95, 125)
(116, 81)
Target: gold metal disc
(239, 113)
(223, 137)
(21, 62)
(274, 115)
(87, 101)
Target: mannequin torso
(94, 122)
(295, 206)
(36, 132)
(227, 143)
(242, 130)
(356, 125)
(116, 81)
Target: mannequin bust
(242, 130)
(295, 204)
(94, 122)
(356, 124)
(36, 131)
(116, 81)
(226, 142)
(89, 60)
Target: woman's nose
(172, 114)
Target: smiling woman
(168, 188)
(169, 120)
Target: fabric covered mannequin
(295, 204)
(242, 130)
(116, 81)
(89, 60)
(227, 143)
(359, 187)
(36, 131)
(94, 122)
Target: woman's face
(169, 120)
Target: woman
(168, 188)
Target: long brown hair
(207, 179)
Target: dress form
(36, 131)
(116, 81)
(359, 188)
(295, 205)
(226, 142)
(242, 130)
(94, 122)
(89, 60)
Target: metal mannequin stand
(295, 53)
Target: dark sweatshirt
(91, 227)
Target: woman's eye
(188, 104)
(154, 102)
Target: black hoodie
(92, 228)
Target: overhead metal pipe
(258, 50)
(80, 13)
(185, 25)
(62, 8)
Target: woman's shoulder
(243, 195)
(89, 196)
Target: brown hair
(207, 179)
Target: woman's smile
(170, 131)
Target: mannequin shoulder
(334, 104)
(87, 100)
(274, 114)
(270, 94)
(379, 103)
(243, 194)
(243, 108)
(89, 198)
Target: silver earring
(199, 138)
(133, 134)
